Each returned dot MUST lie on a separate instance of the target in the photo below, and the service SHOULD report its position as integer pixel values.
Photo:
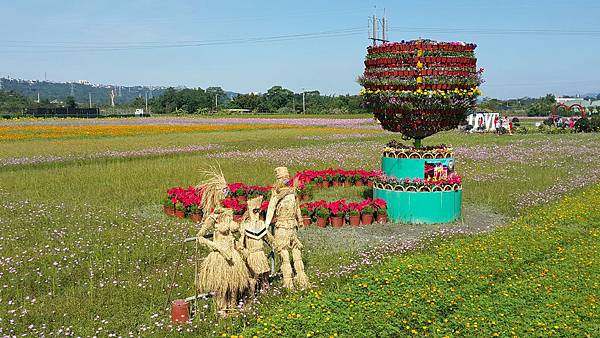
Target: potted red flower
(179, 210)
(306, 217)
(168, 206)
(322, 214)
(354, 217)
(337, 210)
(367, 214)
(381, 210)
(195, 213)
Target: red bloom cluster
(187, 197)
(341, 208)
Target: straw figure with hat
(253, 234)
(223, 271)
(285, 207)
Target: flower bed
(183, 202)
(420, 87)
(354, 213)
(452, 183)
(396, 149)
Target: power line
(498, 31)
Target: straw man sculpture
(285, 207)
(253, 234)
(223, 271)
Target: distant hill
(81, 91)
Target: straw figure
(253, 235)
(285, 207)
(223, 271)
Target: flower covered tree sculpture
(420, 87)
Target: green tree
(278, 97)
(247, 101)
(70, 102)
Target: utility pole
(146, 101)
(294, 103)
(216, 102)
(375, 36)
(303, 102)
(374, 29)
(90, 96)
(38, 100)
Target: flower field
(536, 277)
(85, 248)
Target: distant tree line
(541, 106)
(276, 100)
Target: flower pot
(370, 184)
(366, 219)
(180, 213)
(321, 222)
(196, 218)
(337, 222)
(170, 211)
(382, 218)
(325, 184)
(237, 218)
(347, 184)
(306, 220)
(359, 183)
(355, 220)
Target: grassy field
(85, 249)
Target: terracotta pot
(321, 222)
(347, 184)
(237, 218)
(179, 213)
(196, 218)
(170, 211)
(355, 220)
(180, 312)
(325, 184)
(382, 218)
(370, 184)
(366, 219)
(306, 220)
(359, 183)
(337, 222)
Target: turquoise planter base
(421, 207)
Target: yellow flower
(419, 79)
(419, 65)
(419, 53)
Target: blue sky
(140, 42)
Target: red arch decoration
(580, 108)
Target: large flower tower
(418, 88)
